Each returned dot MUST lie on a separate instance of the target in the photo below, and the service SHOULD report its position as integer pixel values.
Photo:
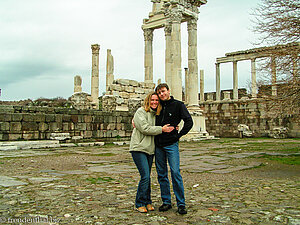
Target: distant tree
(277, 22)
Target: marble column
(201, 85)
(235, 81)
(193, 62)
(148, 59)
(218, 88)
(168, 56)
(95, 75)
(253, 79)
(176, 84)
(77, 84)
(109, 69)
(273, 72)
(187, 86)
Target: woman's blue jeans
(169, 154)
(143, 162)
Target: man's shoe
(182, 210)
(164, 207)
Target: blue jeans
(143, 162)
(169, 154)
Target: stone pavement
(97, 185)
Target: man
(166, 148)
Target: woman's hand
(167, 128)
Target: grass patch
(98, 180)
(289, 160)
(105, 154)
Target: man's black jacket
(173, 111)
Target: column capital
(174, 15)
(95, 48)
(192, 24)
(168, 29)
(148, 34)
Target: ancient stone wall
(120, 94)
(224, 117)
(37, 123)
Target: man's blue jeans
(143, 162)
(169, 154)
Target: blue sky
(44, 44)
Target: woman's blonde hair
(147, 103)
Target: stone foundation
(224, 117)
(38, 123)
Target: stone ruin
(125, 95)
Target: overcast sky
(45, 43)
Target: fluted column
(109, 69)
(218, 88)
(187, 86)
(235, 81)
(193, 62)
(273, 72)
(168, 56)
(201, 85)
(176, 84)
(253, 79)
(95, 75)
(148, 59)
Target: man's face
(163, 94)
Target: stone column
(201, 85)
(235, 81)
(253, 79)
(148, 59)
(218, 88)
(187, 86)
(95, 75)
(168, 56)
(193, 62)
(77, 84)
(176, 85)
(273, 72)
(109, 69)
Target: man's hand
(132, 122)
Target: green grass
(289, 160)
(105, 154)
(98, 180)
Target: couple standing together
(155, 133)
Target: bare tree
(277, 22)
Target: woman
(142, 147)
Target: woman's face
(154, 101)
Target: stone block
(4, 126)
(115, 87)
(58, 118)
(74, 118)
(139, 90)
(111, 126)
(4, 136)
(80, 126)
(5, 117)
(14, 136)
(65, 126)
(87, 134)
(124, 94)
(30, 135)
(66, 118)
(50, 117)
(129, 89)
(15, 126)
(133, 83)
(88, 119)
(123, 82)
(30, 126)
(55, 126)
(16, 117)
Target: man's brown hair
(160, 86)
